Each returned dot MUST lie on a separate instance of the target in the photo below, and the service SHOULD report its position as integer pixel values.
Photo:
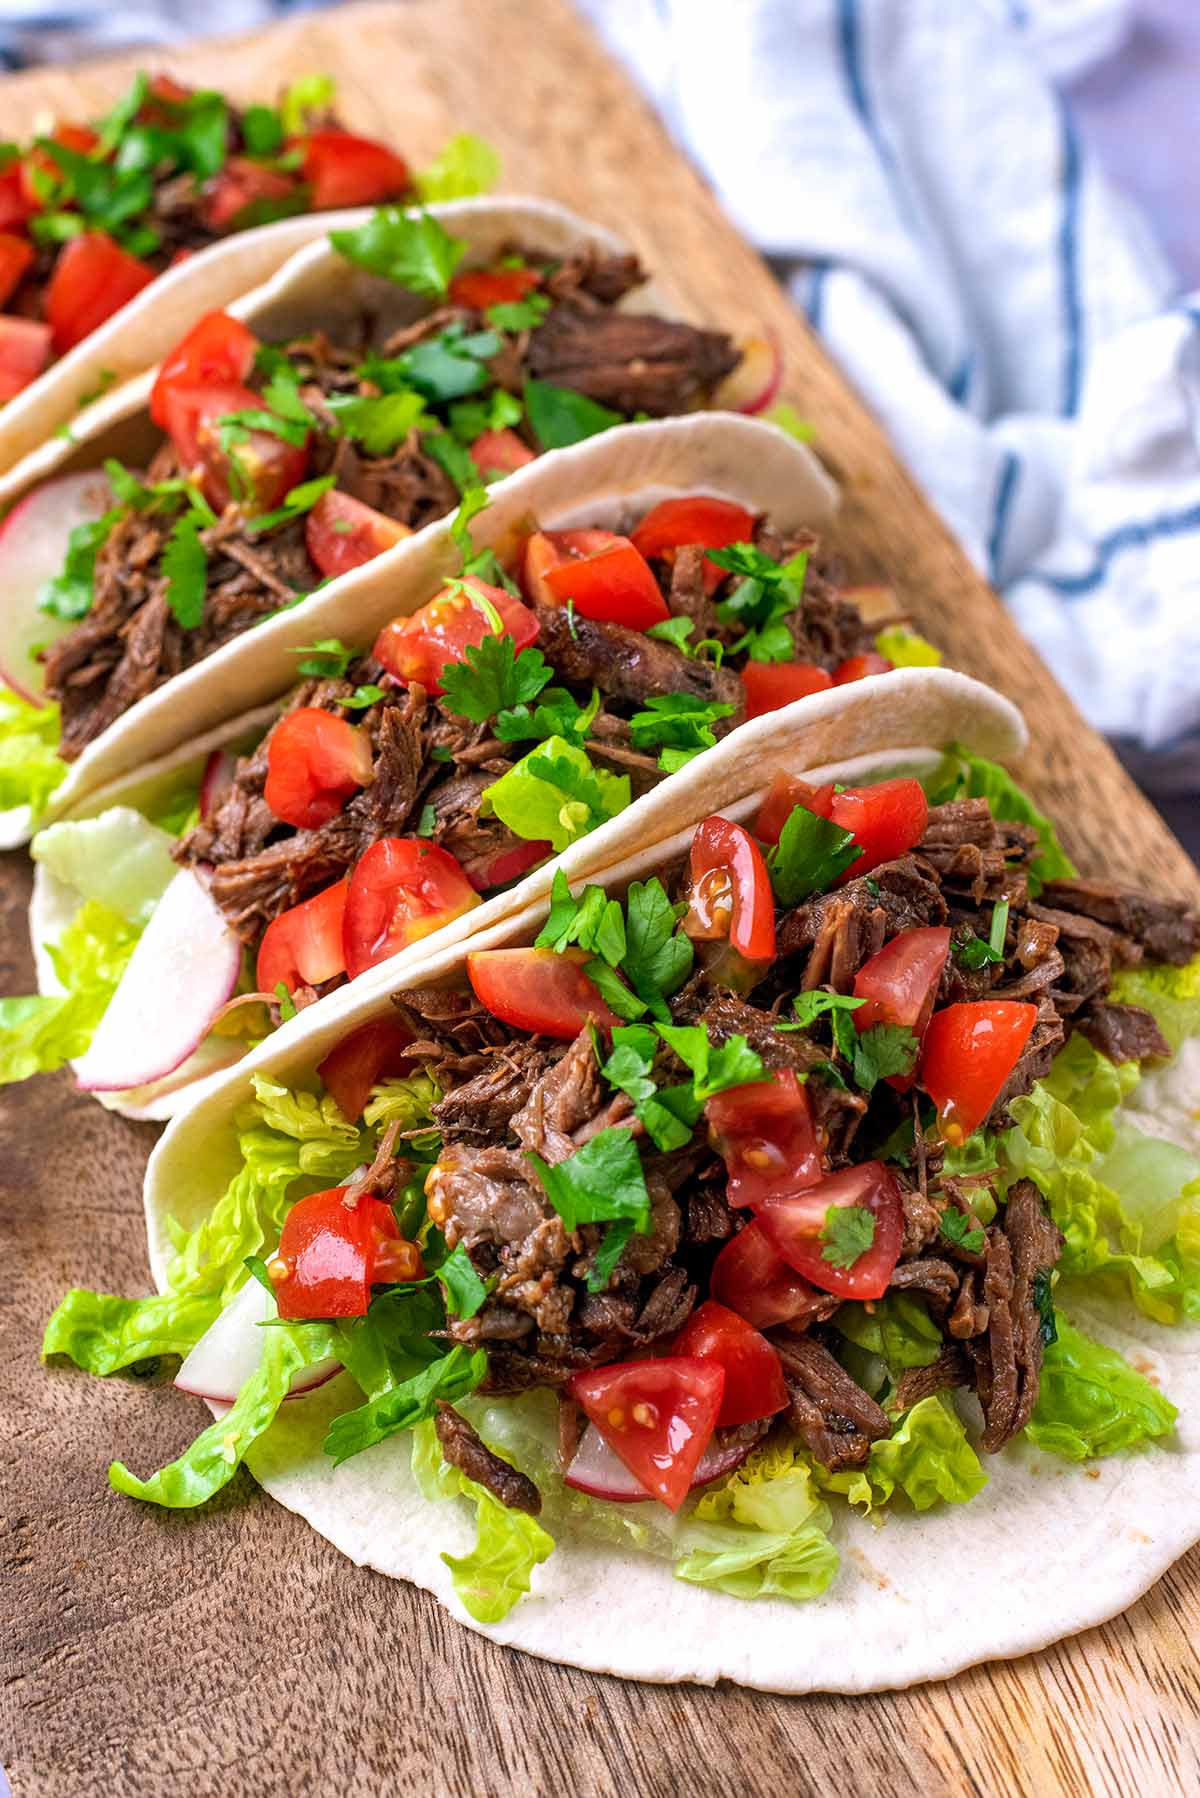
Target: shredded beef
(631, 361)
(688, 597)
(1122, 1032)
(837, 1420)
(726, 1016)
(951, 1368)
(484, 1105)
(474, 841)
(930, 1277)
(463, 1449)
(630, 664)
(593, 279)
(825, 628)
(406, 485)
(1008, 1360)
(977, 854)
(1166, 929)
(447, 1023)
(922, 1220)
(1036, 1059)
(838, 931)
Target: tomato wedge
(498, 869)
(334, 1246)
(756, 1282)
(341, 533)
(602, 574)
(303, 946)
(770, 685)
(658, 1416)
(968, 1053)
(24, 353)
(419, 647)
(731, 893)
(259, 472)
(15, 210)
(242, 183)
(886, 820)
(479, 288)
(219, 351)
(361, 1060)
(93, 278)
(785, 793)
(900, 985)
(402, 889)
(716, 523)
(766, 1136)
(500, 452)
(344, 170)
(754, 1385)
(858, 667)
(315, 761)
(16, 256)
(798, 1227)
(539, 990)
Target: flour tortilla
(1048, 1549)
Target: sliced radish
(215, 782)
(756, 380)
(599, 1471)
(33, 548)
(183, 970)
(230, 1350)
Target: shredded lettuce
(897, 1327)
(962, 775)
(30, 765)
(118, 857)
(508, 1546)
(467, 165)
(907, 649)
(1092, 1402)
(38, 1033)
(927, 1458)
(554, 794)
(1172, 994)
(764, 1533)
(102, 1334)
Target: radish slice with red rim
(33, 548)
(231, 1348)
(599, 1471)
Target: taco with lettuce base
(774, 1178)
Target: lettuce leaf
(764, 1533)
(30, 765)
(466, 165)
(118, 858)
(1092, 1402)
(927, 1458)
(508, 1546)
(897, 1327)
(103, 1334)
(962, 775)
(1172, 994)
(906, 648)
(40, 1032)
(555, 794)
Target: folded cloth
(917, 182)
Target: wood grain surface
(235, 1652)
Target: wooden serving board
(235, 1652)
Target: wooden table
(235, 1652)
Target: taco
(116, 236)
(471, 729)
(783, 1173)
(285, 444)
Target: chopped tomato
(731, 893)
(242, 183)
(539, 990)
(315, 761)
(716, 523)
(480, 288)
(770, 685)
(968, 1053)
(341, 533)
(858, 667)
(756, 1282)
(219, 351)
(402, 889)
(344, 170)
(766, 1136)
(785, 793)
(508, 864)
(500, 451)
(303, 946)
(798, 1227)
(24, 353)
(602, 574)
(419, 647)
(887, 820)
(259, 472)
(754, 1385)
(37, 169)
(900, 984)
(93, 278)
(16, 256)
(15, 209)
(658, 1416)
(361, 1060)
(334, 1246)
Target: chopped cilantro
(185, 565)
(884, 1049)
(809, 856)
(630, 1069)
(497, 411)
(603, 1182)
(411, 249)
(714, 1068)
(453, 458)
(69, 594)
(462, 1286)
(492, 678)
(808, 1007)
(848, 1234)
(955, 1228)
(287, 1009)
(679, 724)
(557, 714)
(658, 958)
(362, 697)
(296, 503)
(642, 942)
(593, 921)
(427, 823)
(558, 416)
(262, 130)
(764, 595)
(518, 315)
(975, 953)
(326, 659)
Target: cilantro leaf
(445, 367)
(557, 714)
(326, 659)
(603, 1182)
(474, 501)
(975, 953)
(452, 457)
(809, 856)
(463, 1288)
(675, 631)
(848, 1233)
(676, 722)
(629, 1069)
(156, 496)
(713, 1067)
(658, 958)
(361, 698)
(808, 1007)
(593, 921)
(496, 411)
(492, 678)
(1042, 1294)
(884, 1049)
(555, 794)
(518, 315)
(262, 130)
(558, 416)
(411, 249)
(69, 594)
(955, 1228)
(296, 503)
(613, 990)
(761, 600)
(185, 565)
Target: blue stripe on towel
(1006, 487)
(1068, 254)
(1127, 536)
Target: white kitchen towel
(916, 180)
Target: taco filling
(742, 1185)
(90, 214)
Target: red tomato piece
(344, 170)
(757, 1283)
(796, 1226)
(15, 209)
(361, 1060)
(716, 523)
(858, 667)
(506, 864)
(539, 990)
(658, 1416)
(402, 889)
(900, 984)
(315, 761)
(766, 1136)
(603, 574)
(242, 183)
(303, 946)
(500, 450)
(93, 278)
(341, 533)
(334, 1246)
(258, 473)
(479, 288)
(887, 820)
(219, 351)
(968, 1053)
(37, 168)
(754, 1384)
(24, 353)
(770, 685)
(731, 893)
(419, 647)
(16, 256)
(786, 792)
